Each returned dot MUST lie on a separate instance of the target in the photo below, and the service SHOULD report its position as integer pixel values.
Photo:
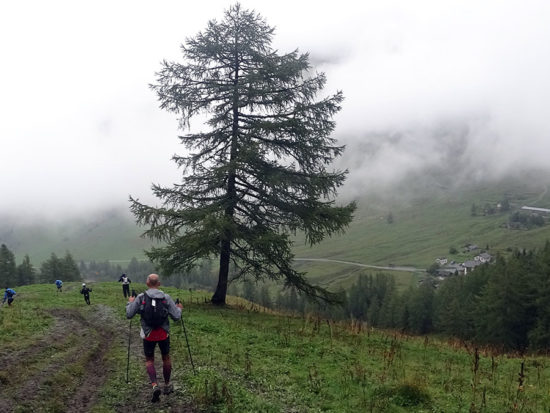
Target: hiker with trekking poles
(86, 291)
(125, 285)
(155, 306)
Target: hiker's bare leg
(150, 366)
(166, 368)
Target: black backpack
(153, 310)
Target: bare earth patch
(65, 370)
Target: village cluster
(447, 268)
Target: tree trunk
(221, 290)
(225, 246)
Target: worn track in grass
(65, 370)
(139, 398)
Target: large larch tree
(258, 172)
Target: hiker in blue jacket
(8, 295)
(155, 306)
(59, 285)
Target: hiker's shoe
(168, 388)
(156, 394)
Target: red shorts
(158, 334)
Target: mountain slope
(108, 235)
(427, 224)
(429, 215)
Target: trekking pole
(128, 361)
(187, 341)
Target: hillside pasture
(247, 360)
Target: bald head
(153, 281)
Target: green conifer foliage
(8, 274)
(55, 268)
(25, 272)
(260, 171)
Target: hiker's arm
(173, 309)
(132, 306)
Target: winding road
(357, 264)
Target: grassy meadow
(337, 276)
(426, 227)
(58, 352)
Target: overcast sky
(424, 81)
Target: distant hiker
(59, 285)
(8, 295)
(155, 306)
(125, 285)
(86, 291)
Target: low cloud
(429, 85)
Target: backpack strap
(141, 300)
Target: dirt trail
(64, 357)
(65, 370)
(29, 355)
(140, 398)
